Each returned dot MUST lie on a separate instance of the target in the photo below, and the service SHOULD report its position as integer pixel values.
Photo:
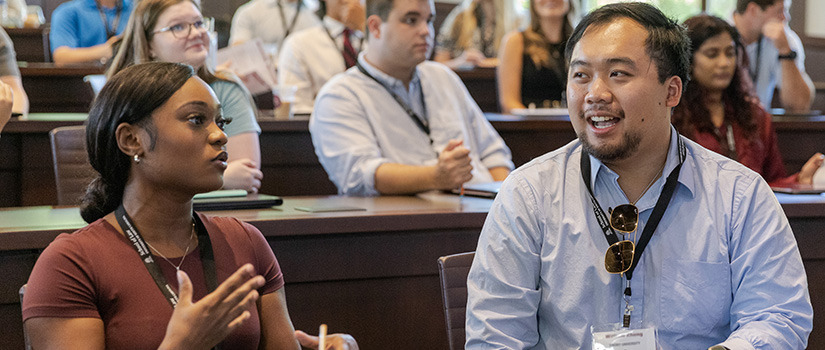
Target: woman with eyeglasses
(147, 272)
(719, 110)
(174, 31)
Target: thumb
(306, 340)
(184, 288)
(453, 144)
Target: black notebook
(485, 190)
(232, 199)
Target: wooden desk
(31, 44)
(481, 83)
(53, 88)
(291, 167)
(372, 274)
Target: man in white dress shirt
(310, 57)
(272, 21)
(396, 124)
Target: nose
(194, 32)
(216, 135)
(598, 92)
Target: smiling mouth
(603, 122)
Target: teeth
(600, 119)
(600, 122)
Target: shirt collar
(93, 4)
(597, 168)
(384, 78)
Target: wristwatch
(788, 56)
(718, 347)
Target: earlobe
(374, 26)
(128, 140)
(674, 91)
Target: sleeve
(264, 260)
(293, 70)
(60, 284)
(503, 284)
(771, 307)
(63, 29)
(8, 60)
(241, 29)
(343, 139)
(491, 148)
(236, 104)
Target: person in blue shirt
(632, 229)
(84, 30)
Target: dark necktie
(349, 52)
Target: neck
(160, 216)
(108, 3)
(404, 74)
(552, 28)
(716, 109)
(641, 169)
(743, 25)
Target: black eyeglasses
(182, 30)
(619, 256)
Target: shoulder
(226, 89)
(513, 39)
(550, 167)
(306, 38)
(435, 70)
(715, 171)
(231, 228)
(66, 9)
(347, 84)
(89, 238)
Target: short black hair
(380, 8)
(667, 43)
(742, 5)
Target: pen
(322, 335)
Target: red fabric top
(96, 272)
(760, 155)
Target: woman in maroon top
(719, 111)
(148, 272)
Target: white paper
(250, 62)
(625, 339)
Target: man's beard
(606, 154)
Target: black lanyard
(755, 72)
(118, 9)
(655, 217)
(335, 44)
(204, 244)
(291, 26)
(421, 122)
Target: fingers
(306, 340)
(452, 144)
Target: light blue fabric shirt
(77, 23)
(722, 266)
(356, 126)
(237, 106)
(770, 69)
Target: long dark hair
(692, 114)
(130, 96)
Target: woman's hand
(806, 175)
(204, 324)
(242, 174)
(337, 341)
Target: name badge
(625, 339)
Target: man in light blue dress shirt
(721, 269)
(395, 124)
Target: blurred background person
(148, 272)
(471, 34)
(531, 70)
(312, 56)
(10, 75)
(85, 30)
(777, 58)
(719, 111)
(174, 31)
(272, 21)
